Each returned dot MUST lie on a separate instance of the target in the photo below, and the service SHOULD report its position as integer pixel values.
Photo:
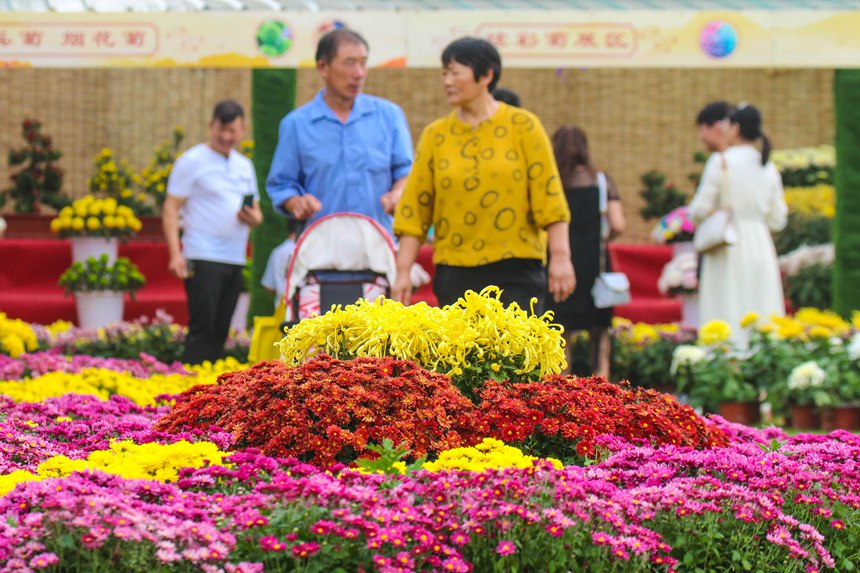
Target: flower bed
(91, 481)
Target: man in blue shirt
(344, 151)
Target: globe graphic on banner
(274, 38)
(718, 39)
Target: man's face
(224, 137)
(715, 137)
(345, 75)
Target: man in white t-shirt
(214, 188)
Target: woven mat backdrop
(636, 120)
(131, 111)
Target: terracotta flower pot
(747, 413)
(804, 417)
(845, 417)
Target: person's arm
(170, 225)
(407, 252)
(562, 277)
(389, 200)
(705, 199)
(777, 212)
(283, 183)
(402, 157)
(614, 210)
(253, 215)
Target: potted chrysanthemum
(99, 287)
(95, 226)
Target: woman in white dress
(743, 277)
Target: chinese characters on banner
(561, 41)
(77, 39)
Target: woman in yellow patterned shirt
(485, 178)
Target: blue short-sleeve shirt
(347, 166)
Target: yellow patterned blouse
(489, 191)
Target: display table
(30, 269)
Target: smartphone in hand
(248, 200)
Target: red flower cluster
(328, 410)
(560, 417)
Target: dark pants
(212, 291)
(519, 279)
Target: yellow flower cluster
(817, 200)
(809, 323)
(477, 329)
(822, 156)
(89, 216)
(16, 336)
(104, 383)
(152, 461)
(640, 332)
(490, 454)
(714, 332)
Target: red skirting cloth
(30, 269)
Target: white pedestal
(98, 308)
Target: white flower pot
(86, 247)
(99, 308)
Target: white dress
(743, 277)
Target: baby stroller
(338, 259)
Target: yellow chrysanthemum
(714, 332)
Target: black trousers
(212, 292)
(519, 279)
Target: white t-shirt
(213, 186)
(275, 275)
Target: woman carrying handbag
(743, 276)
(593, 221)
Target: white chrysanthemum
(806, 375)
(686, 355)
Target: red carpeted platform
(30, 268)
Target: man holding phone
(214, 188)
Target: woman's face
(460, 86)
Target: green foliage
(39, 180)
(803, 229)
(647, 364)
(811, 286)
(97, 274)
(846, 271)
(273, 93)
(659, 197)
(389, 458)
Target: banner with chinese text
(526, 39)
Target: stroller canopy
(342, 242)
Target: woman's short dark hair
(328, 45)
(226, 111)
(478, 54)
(714, 112)
(748, 120)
